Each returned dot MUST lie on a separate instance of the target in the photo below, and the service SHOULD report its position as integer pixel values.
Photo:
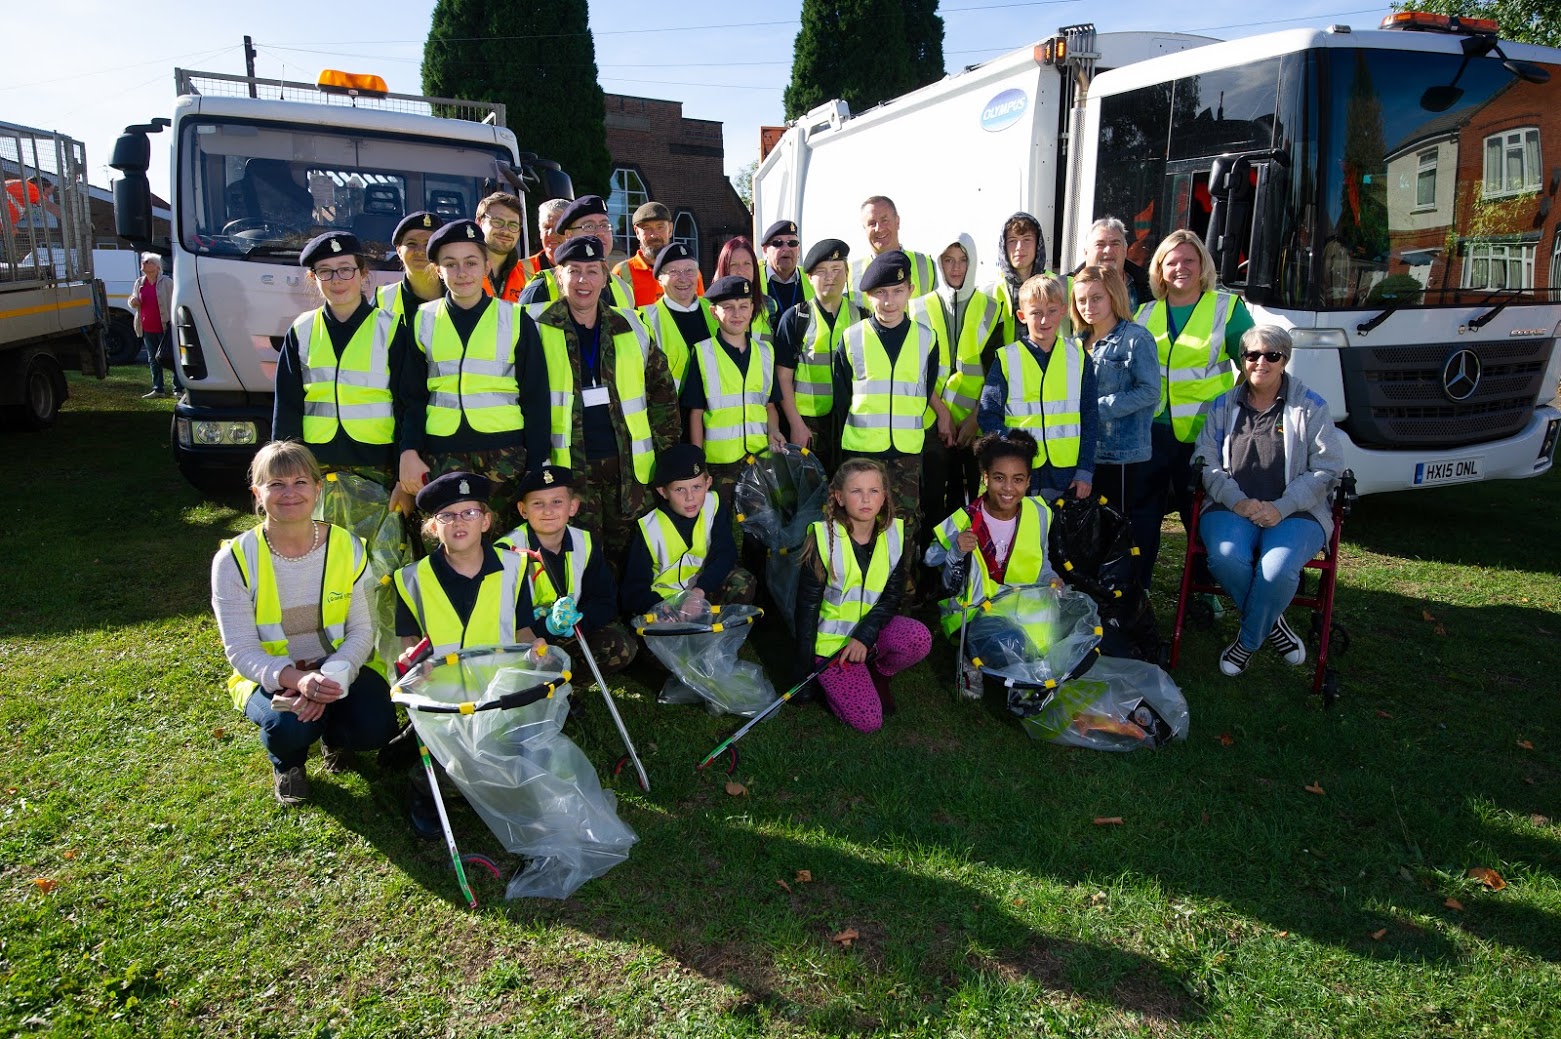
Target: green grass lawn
(149, 885)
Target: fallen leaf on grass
(1526, 744)
(1205, 818)
(72, 855)
(1226, 739)
(1097, 898)
(1529, 780)
(804, 876)
(1019, 903)
(1425, 615)
(1384, 714)
(784, 885)
(1454, 904)
(1282, 934)
(1487, 876)
(1108, 820)
(735, 788)
(846, 937)
(218, 733)
(1440, 629)
(1314, 788)
(1378, 935)
(44, 884)
(1539, 820)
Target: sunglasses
(1271, 356)
(784, 243)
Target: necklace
(315, 525)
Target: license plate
(1451, 470)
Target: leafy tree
(903, 50)
(1530, 21)
(742, 180)
(537, 57)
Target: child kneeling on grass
(685, 543)
(854, 565)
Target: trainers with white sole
(1235, 659)
(1289, 645)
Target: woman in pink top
(152, 300)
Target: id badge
(595, 396)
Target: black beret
(547, 477)
(671, 254)
(443, 491)
(890, 268)
(422, 220)
(730, 287)
(579, 209)
(455, 231)
(581, 247)
(329, 244)
(679, 462)
(780, 227)
(828, 249)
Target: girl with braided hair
(854, 566)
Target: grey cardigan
(1313, 457)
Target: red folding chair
(1326, 633)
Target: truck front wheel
(43, 391)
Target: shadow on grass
(1507, 523)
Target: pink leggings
(849, 687)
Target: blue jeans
(364, 719)
(1260, 567)
(153, 340)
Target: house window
(628, 194)
(685, 229)
(1512, 162)
(1425, 180)
(1499, 265)
(1555, 268)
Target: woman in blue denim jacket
(1127, 377)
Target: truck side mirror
(132, 192)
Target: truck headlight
(219, 434)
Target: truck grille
(1396, 397)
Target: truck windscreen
(262, 191)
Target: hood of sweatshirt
(1005, 268)
(955, 297)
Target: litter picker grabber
(612, 709)
(964, 620)
(730, 741)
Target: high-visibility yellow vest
(1046, 404)
(736, 421)
(622, 292)
(924, 273)
(961, 390)
(389, 298)
(1008, 308)
(675, 562)
(1195, 369)
(476, 378)
(631, 353)
(850, 594)
(492, 622)
(576, 551)
(1026, 557)
(888, 402)
(814, 382)
(664, 328)
(345, 561)
(351, 391)
(764, 282)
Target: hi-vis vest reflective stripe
(492, 622)
(389, 298)
(1026, 557)
(631, 353)
(345, 560)
(962, 388)
(622, 291)
(669, 337)
(924, 273)
(849, 594)
(1045, 403)
(674, 561)
(888, 402)
(814, 382)
(1195, 369)
(577, 556)
(736, 422)
(353, 389)
(1008, 307)
(764, 281)
(476, 379)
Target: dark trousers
(1162, 484)
(364, 719)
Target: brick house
(659, 155)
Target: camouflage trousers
(723, 481)
(612, 646)
(739, 589)
(905, 491)
(603, 512)
(504, 466)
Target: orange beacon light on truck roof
(354, 84)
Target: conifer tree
(863, 52)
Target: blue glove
(563, 617)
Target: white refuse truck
(1384, 194)
(259, 168)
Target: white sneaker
(1235, 659)
(1284, 639)
(153, 395)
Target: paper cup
(337, 671)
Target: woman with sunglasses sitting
(1271, 455)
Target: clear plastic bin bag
(777, 497)
(1032, 635)
(363, 507)
(703, 661)
(1117, 705)
(535, 789)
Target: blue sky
(731, 67)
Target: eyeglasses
(595, 227)
(502, 225)
(784, 243)
(469, 515)
(335, 273)
(1271, 356)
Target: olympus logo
(1461, 375)
(1004, 110)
